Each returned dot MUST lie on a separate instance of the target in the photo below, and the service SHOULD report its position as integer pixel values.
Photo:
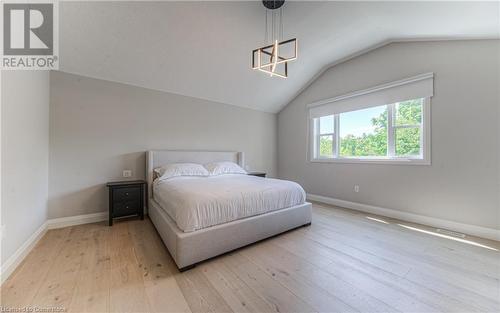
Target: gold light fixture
(273, 58)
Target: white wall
(98, 128)
(462, 184)
(25, 142)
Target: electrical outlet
(356, 188)
(127, 173)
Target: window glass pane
(326, 146)
(407, 141)
(364, 132)
(326, 124)
(408, 112)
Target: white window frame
(425, 141)
(318, 136)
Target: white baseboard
(483, 232)
(76, 220)
(14, 260)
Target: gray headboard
(157, 158)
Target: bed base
(189, 249)
(187, 268)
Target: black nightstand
(127, 198)
(260, 174)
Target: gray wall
(25, 144)
(462, 184)
(99, 128)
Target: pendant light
(274, 56)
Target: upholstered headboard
(157, 158)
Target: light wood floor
(344, 262)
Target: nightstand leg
(145, 201)
(110, 207)
(146, 197)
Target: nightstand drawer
(127, 208)
(126, 194)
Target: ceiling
(202, 49)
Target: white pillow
(180, 169)
(219, 168)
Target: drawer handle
(126, 207)
(126, 193)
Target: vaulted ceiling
(202, 49)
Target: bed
(200, 218)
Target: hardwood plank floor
(346, 261)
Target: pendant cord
(281, 23)
(267, 36)
(274, 27)
(274, 31)
(274, 22)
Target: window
(407, 128)
(352, 131)
(386, 132)
(326, 136)
(363, 133)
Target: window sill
(387, 161)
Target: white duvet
(198, 202)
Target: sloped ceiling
(202, 49)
